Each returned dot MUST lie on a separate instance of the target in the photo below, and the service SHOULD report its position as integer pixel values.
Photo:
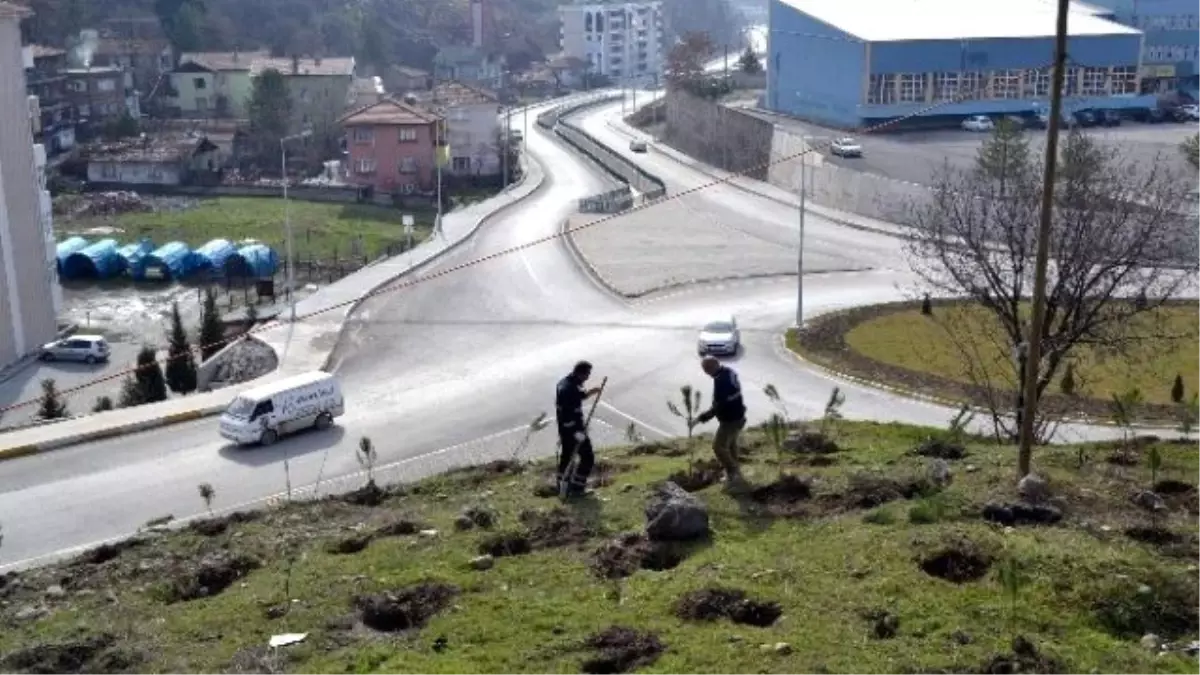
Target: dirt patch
(711, 604)
(1173, 487)
(1021, 513)
(621, 650)
(867, 491)
(633, 551)
(1124, 457)
(91, 654)
(211, 527)
(504, 544)
(940, 448)
(349, 545)
(106, 552)
(555, 528)
(367, 495)
(405, 608)
(1024, 658)
(213, 574)
(884, 624)
(1157, 536)
(657, 449)
(783, 495)
(810, 443)
(476, 516)
(957, 560)
(698, 475)
(1154, 600)
(401, 527)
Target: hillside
(867, 555)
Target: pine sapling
(1124, 409)
(366, 459)
(1068, 386)
(537, 424)
(207, 493)
(833, 410)
(689, 413)
(1154, 459)
(1177, 390)
(1012, 579)
(1187, 414)
(632, 435)
(52, 406)
(926, 306)
(776, 400)
(777, 434)
(102, 404)
(957, 428)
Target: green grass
(829, 566)
(321, 230)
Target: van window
(240, 408)
(263, 408)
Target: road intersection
(450, 372)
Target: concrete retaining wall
(718, 136)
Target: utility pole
(1034, 340)
(800, 246)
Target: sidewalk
(303, 346)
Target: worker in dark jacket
(572, 431)
(730, 411)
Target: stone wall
(719, 136)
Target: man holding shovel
(730, 411)
(572, 430)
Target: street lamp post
(800, 241)
(287, 220)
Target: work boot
(735, 483)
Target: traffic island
(350, 577)
(956, 354)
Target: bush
(52, 406)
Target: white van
(263, 414)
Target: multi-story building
(320, 88)
(99, 95)
(391, 147)
(138, 45)
(472, 126)
(213, 84)
(1172, 39)
(27, 270)
(621, 40)
(45, 79)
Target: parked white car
(263, 414)
(1190, 111)
(846, 147)
(86, 348)
(637, 146)
(978, 123)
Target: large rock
(1033, 488)
(674, 514)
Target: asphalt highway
(451, 372)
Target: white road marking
(608, 406)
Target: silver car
(720, 337)
(86, 348)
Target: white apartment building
(27, 271)
(622, 40)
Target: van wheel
(324, 421)
(90, 360)
(268, 437)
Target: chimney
(316, 60)
(477, 23)
(295, 64)
(235, 55)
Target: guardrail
(649, 186)
(612, 201)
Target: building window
(1093, 81)
(77, 85)
(366, 165)
(364, 135)
(1006, 84)
(106, 85)
(1071, 82)
(407, 135)
(1124, 80)
(461, 163)
(972, 85)
(108, 171)
(408, 165)
(881, 90)
(199, 83)
(912, 87)
(1037, 83)
(945, 86)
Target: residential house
(138, 44)
(319, 87)
(365, 91)
(54, 126)
(470, 64)
(176, 160)
(403, 79)
(97, 95)
(391, 147)
(213, 84)
(472, 127)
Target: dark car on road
(1086, 118)
(1110, 118)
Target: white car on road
(846, 147)
(1191, 111)
(637, 146)
(978, 123)
(86, 348)
(719, 337)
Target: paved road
(25, 383)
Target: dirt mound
(211, 527)
(698, 475)
(633, 551)
(106, 552)
(787, 489)
(622, 650)
(405, 608)
(91, 654)
(349, 545)
(940, 448)
(867, 491)
(1021, 513)
(711, 604)
(1157, 536)
(213, 574)
(810, 443)
(957, 560)
(656, 448)
(476, 516)
(505, 544)
(398, 528)
(367, 495)
(555, 528)
(1025, 658)
(1173, 487)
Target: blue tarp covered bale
(97, 261)
(255, 261)
(212, 256)
(135, 256)
(170, 261)
(66, 248)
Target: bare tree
(1119, 232)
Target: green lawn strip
(896, 345)
(829, 564)
(321, 231)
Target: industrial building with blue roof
(858, 63)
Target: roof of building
(95, 71)
(118, 46)
(409, 71)
(388, 112)
(452, 93)
(223, 61)
(44, 52)
(902, 20)
(11, 10)
(334, 65)
(366, 85)
(152, 149)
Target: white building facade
(621, 40)
(28, 304)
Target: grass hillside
(858, 551)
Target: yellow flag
(443, 155)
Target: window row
(997, 84)
(367, 135)
(1167, 22)
(369, 165)
(1169, 53)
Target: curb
(584, 264)
(948, 403)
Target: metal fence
(649, 186)
(613, 201)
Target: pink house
(391, 147)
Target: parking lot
(26, 383)
(915, 156)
